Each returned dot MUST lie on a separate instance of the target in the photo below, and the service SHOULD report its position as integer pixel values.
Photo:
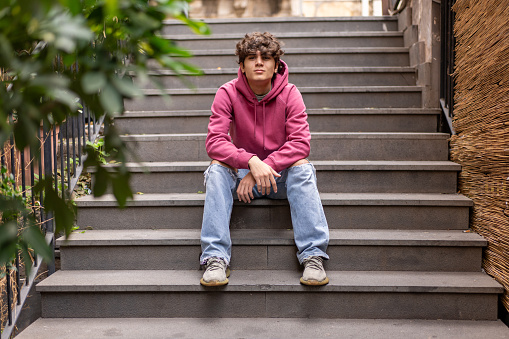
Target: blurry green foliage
(41, 42)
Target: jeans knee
(300, 162)
(217, 162)
(216, 174)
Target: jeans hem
(306, 255)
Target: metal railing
(448, 43)
(61, 159)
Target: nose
(259, 60)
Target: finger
(261, 188)
(275, 173)
(259, 185)
(240, 193)
(245, 194)
(274, 184)
(267, 186)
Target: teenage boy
(258, 138)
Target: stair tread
(336, 165)
(351, 237)
(269, 281)
(283, 35)
(303, 90)
(315, 135)
(313, 111)
(158, 328)
(197, 199)
(328, 50)
(288, 19)
(296, 70)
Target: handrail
(447, 44)
(72, 134)
(397, 6)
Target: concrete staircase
(403, 263)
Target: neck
(260, 89)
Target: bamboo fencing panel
(481, 121)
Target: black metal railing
(61, 158)
(448, 43)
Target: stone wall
(282, 8)
(420, 24)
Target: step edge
(328, 199)
(171, 22)
(343, 237)
(320, 165)
(312, 111)
(158, 281)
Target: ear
(276, 68)
(242, 67)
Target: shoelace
(215, 264)
(315, 263)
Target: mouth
(259, 71)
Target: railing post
(48, 175)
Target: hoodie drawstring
(264, 126)
(263, 122)
(255, 106)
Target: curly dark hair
(266, 43)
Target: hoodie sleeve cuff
(243, 159)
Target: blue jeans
(297, 184)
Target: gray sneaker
(314, 273)
(216, 272)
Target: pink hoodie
(275, 129)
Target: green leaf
(111, 100)
(101, 181)
(35, 239)
(73, 5)
(8, 241)
(66, 97)
(112, 7)
(126, 86)
(23, 129)
(93, 82)
(198, 27)
(64, 212)
(121, 189)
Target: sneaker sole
(314, 282)
(215, 282)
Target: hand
(245, 188)
(263, 175)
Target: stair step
(309, 57)
(262, 293)
(333, 176)
(314, 97)
(299, 76)
(324, 146)
(291, 24)
(294, 40)
(343, 210)
(417, 120)
(282, 328)
(349, 250)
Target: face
(259, 68)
